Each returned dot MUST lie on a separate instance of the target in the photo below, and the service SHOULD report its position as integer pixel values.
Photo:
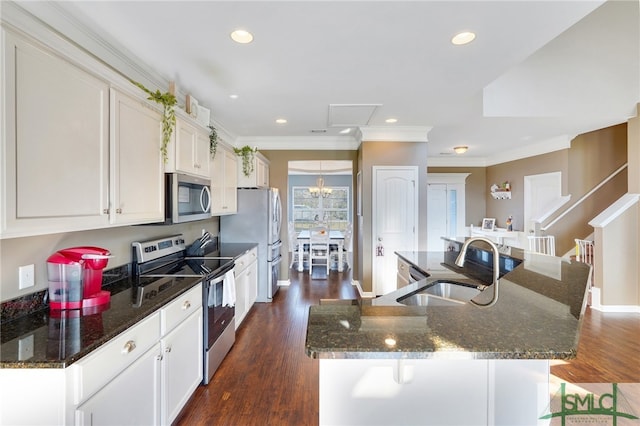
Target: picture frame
(488, 223)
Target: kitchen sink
(442, 293)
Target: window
(309, 210)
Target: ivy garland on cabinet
(168, 101)
(213, 141)
(248, 154)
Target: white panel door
(540, 192)
(395, 222)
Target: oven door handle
(221, 275)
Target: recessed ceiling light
(281, 120)
(461, 149)
(345, 131)
(463, 38)
(233, 96)
(391, 120)
(242, 36)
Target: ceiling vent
(351, 115)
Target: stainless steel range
(160, 262)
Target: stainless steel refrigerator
(259, 220)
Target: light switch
(26, 276)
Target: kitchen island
(382, 362)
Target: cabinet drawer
(178, 310)
(101, 366)
(245, 260)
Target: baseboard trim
(284, 283)
(363, 294)
(598, 306)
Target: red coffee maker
(75, 278)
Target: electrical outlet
(25, 348)
(26, 276)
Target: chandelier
(320, 190)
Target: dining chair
(542, 244)
(319, 247)
(297, 252)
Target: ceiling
(537, 74)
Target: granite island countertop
(537, 316)
(58, 343)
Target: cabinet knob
(128, 347)
(186, 305)
(167, 349)
(119, 211)
(105, 211)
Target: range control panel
(144, 251)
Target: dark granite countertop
(58, 343)
(537, 316)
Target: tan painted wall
(279, 178)
(388, 154)
(514, 172)
(617, 244)
(16, 252)
(476, 191)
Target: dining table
(336, 237)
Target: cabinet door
(55, 145)
(224, 178)
(129, 399)
(262, 173)
(185, 147)
(218, 183)
(241, 296)
(231, 182)
(202, 155)
(137, 185)
(182, 365)
(252, 284)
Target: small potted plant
(248, 155)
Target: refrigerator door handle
(276, 261)
(276, 245)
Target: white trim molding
(394, 133)
(333, 143)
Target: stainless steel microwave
(187, 198)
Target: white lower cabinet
(246, 276)
(181, 366)
(153, 387)
(132, 398)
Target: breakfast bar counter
(486, 360)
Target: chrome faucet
(496, 266)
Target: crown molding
(452, 161)
(317, 143)
(394, 133)
(69, 26)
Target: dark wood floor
(267, 379)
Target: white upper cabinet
(259, 177)
(137, 184)
(76, 153)
(224, 182)
(55, 144)
(189, 150)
